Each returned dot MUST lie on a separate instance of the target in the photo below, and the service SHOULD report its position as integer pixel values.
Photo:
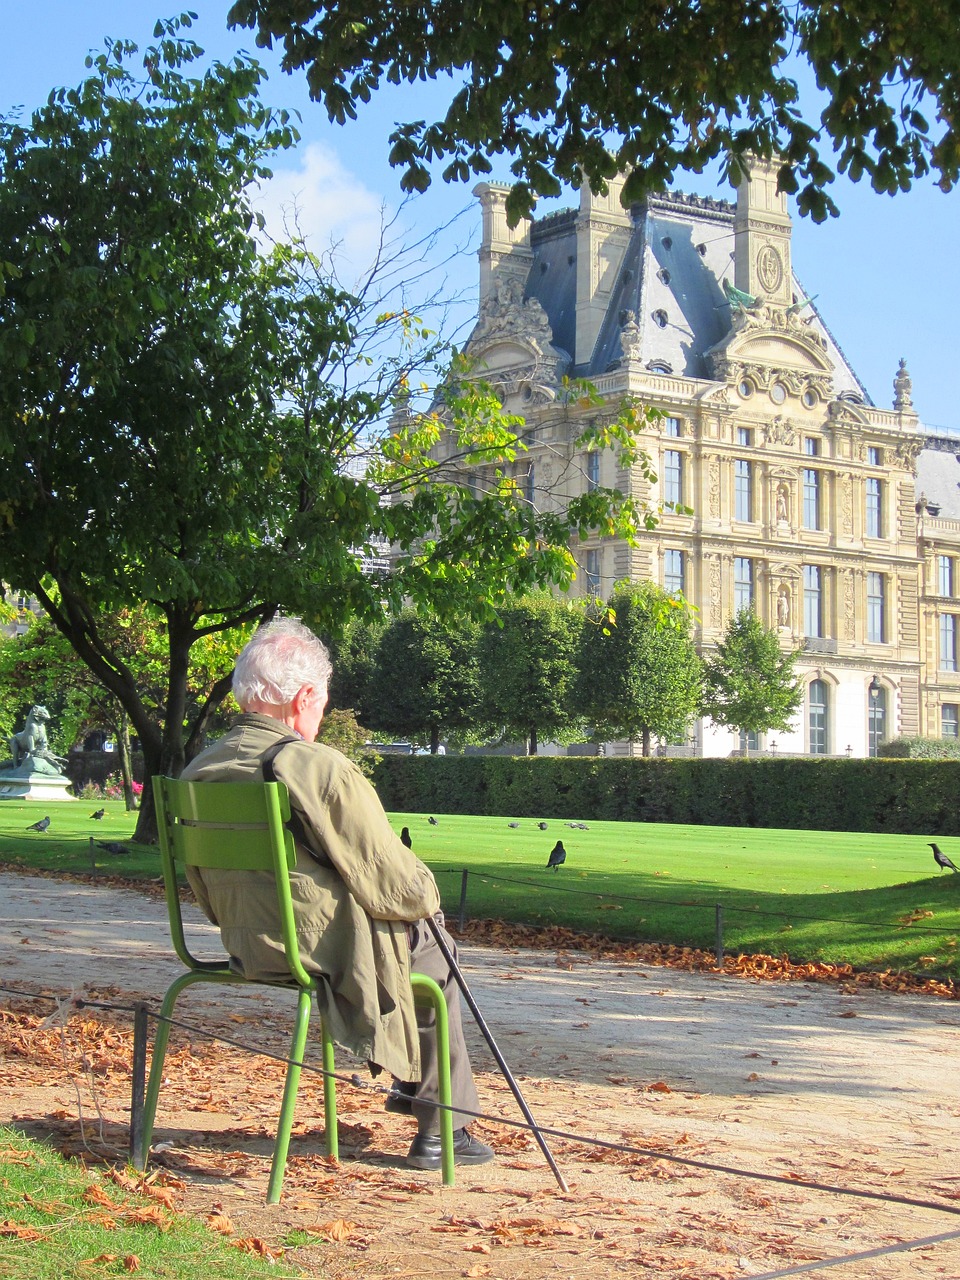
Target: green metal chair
(240, 826)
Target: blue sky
(886, 272)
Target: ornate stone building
(782, 485)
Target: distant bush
(922, 749)
(897, 796)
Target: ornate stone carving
(907, 453)
(505, 313)
(849, 608)
(779, 431)
(846, 504)
(903, 389)
(769, 268)
(714, 488)
(631, 338)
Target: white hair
(278, 661)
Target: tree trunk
(532, 748)
(645, 742)
(126, 767)
(434, 739)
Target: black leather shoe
(425, 1151)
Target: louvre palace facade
(837, 520)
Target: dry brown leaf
(96, 1195)
(658, 1086)
(253, 1244)
(220, 1222)
(847, 1013)
(477, 1247)
(101, 1257)
(148, 1216)
(339, 1229)
(19, 1231)
(131, 1262)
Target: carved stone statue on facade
(783, 503)
(783, 607)
(903, 389)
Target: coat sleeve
(345, 822)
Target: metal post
(137, 1084)
(462, 919)
(719, 946)
(93, 857)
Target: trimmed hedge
(898, 796)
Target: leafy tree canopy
(529, 669)
(750, 683)
(639, 669)
(599, 88)
(426, 681)
(183, 416)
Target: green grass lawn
(63, 1222)
(832, 896)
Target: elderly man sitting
(360, 896)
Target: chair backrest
(230, 826)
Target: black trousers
(426, 957)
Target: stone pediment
(766, 340)
(512, 344)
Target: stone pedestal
(27, 784)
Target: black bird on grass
(405, 837)
(542, 826)
(513, 824)
(39, 826)
(942, 860)
(558, 854)
(99, 814)
(433, 822)
(112, 846)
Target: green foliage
(922, 749)
(181, 413)
(529, 666)
(426, 680)
(354, 655)
(577, 94)
(749, 683)
(639, 673)
(339, 729)
(907, 796)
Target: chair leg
(432, 993)
(329, 1094)
(292, 1084)
(159, 1054)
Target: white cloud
(331, 206)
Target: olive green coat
(350, 908)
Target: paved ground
(849, 1087)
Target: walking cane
(501, 1062)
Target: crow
(99, 814)
(558, 854)
(942, 860)
(39, 826)
(542, 826)
(513, 824)
(433, 822)
(405, 837)
(111, 846)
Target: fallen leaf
(220, 1222)
(131, 1262)
(478, 1247)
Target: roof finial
(902, 388)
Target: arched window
(876, 720)
(818, 717)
